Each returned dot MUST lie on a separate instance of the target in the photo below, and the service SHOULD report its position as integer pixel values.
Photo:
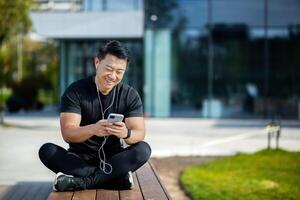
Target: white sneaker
(131, 179)
(55, 183)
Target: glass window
(249, 12)
(283, 12)
(284, 74)
(238, 66)
(194, 12)
(124, 5)
(93, 5)
(189, 78)
(256, 65)
(189, 58)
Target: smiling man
(96, 158)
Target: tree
(14, 20)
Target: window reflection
(283, 12)
(255, 63)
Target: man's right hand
(100, 128)
(72, 132)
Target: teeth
(109, 82)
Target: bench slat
(43, 192)
(134, 194)
(17, 192)
(60, 196)
(25, 191)
(150, 186)
(4, 190)
(32, 190)
(159, 180)
(107, 194)
(84, 195)
(147, 186)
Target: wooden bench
(26, 191)
(147, 185)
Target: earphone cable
(103, 163)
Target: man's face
(109, 72)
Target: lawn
(265, 175)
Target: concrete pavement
(19, 143)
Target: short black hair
(114, 48)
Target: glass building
(231, 58)
(191, 58)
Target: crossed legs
(58, 159)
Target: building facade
(231, 58)
(191, 58)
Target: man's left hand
(118, 129)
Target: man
(95, 158)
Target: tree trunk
(1, 88)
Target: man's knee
(142, 152)
(46, 151)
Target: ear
(96, 62)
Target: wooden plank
(84, 195)
(33, 189)
(159, 180)
(4, 189)
(44, 191)
(9, 193)
(27, 191)
(17, 192)
(60, 196)
(149, 184)
(107, 194)
(134, 194)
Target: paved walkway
(19, 143)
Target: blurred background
(202, 67)
(190, 58)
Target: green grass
(265, 175)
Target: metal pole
(1, 93)
(153, 72)
(153, 19)
(2, 107)
(2, 96)
(210, 60)
(269, 140)
(277, 138)
(20, 57)
(266, 59)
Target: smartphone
(114, 117)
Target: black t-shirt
(81, 97)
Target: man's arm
(137, 127)
(72, 132)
